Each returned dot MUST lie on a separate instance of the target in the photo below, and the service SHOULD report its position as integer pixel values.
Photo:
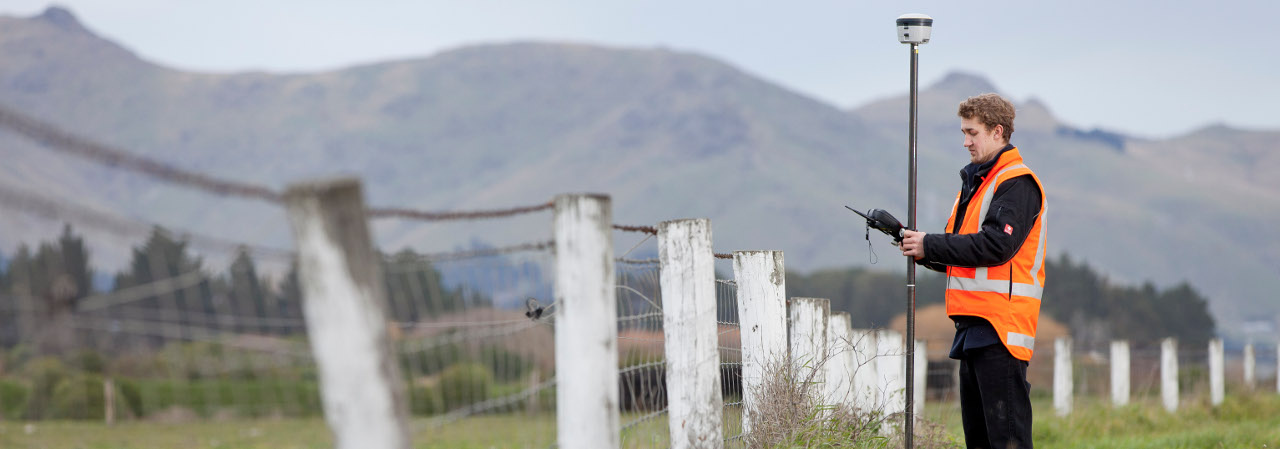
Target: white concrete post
(866, 382)
(1119, 373)
(762, 319)
(1169, 373)
(839, 377)
(345, 309)
(922, 379)
(808, 327)
(1062, 381)
(891, 364)
(1250, 363)
(586, 324)
(1216, 375)
(688, 277)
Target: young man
(993, 254)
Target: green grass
(1243, 421)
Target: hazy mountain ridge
(668, 134)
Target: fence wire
(641, 356)
(730, 347)
(475, 340)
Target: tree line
(43, 287)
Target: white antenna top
(914, 28)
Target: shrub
(78, 397)
(45, 373)
(465, 383)
(89, 361)
(425, 400)
(13, 399)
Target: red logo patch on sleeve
(1008, 229)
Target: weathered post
(1169, 373)
(586, 324)
(345, 310)
(689, 324)
(1119, 373)
(762, 318)
(891, 364)
(109, 400)
(921, 378)
(1250, 363)
(838, 376)
(1216, 375)
(866, 381)
(808, 328)
(1062, 381)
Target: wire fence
(192, 327)
(475, 339)
(730, 348)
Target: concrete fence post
(1216, 375)
(1062, 381)
(808, 341)
(866, 382)
(838, 376)
(1169, 373)
(1250, 364)
(586, 324)
(921, 379)
(344, 304)
(762, 318)
(1119, 373)
(688, 277)
(891, 365)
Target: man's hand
(913, 243)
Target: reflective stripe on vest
(996, 286)
(1021, 340)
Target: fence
(572, 344)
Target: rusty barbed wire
(456, 215)
(488, 252)
(31, 203)
(626, 261)
(66, 142)
(645, 229)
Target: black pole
(911, 261)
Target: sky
(1147, 69)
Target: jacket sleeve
(1013, 211)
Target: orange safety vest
(1007, 295)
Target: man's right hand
(913, 243)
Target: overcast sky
(1151, 69)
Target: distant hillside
(668, 134)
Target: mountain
(668, 134)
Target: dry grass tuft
(791, 415)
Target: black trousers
(995, 399)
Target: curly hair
(991, 110)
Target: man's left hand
(913, 243)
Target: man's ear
(999, 129)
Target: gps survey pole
(912, 29)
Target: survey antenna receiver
(914, 28)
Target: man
(993, 254)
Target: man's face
(983, 142)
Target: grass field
(1244, 421)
